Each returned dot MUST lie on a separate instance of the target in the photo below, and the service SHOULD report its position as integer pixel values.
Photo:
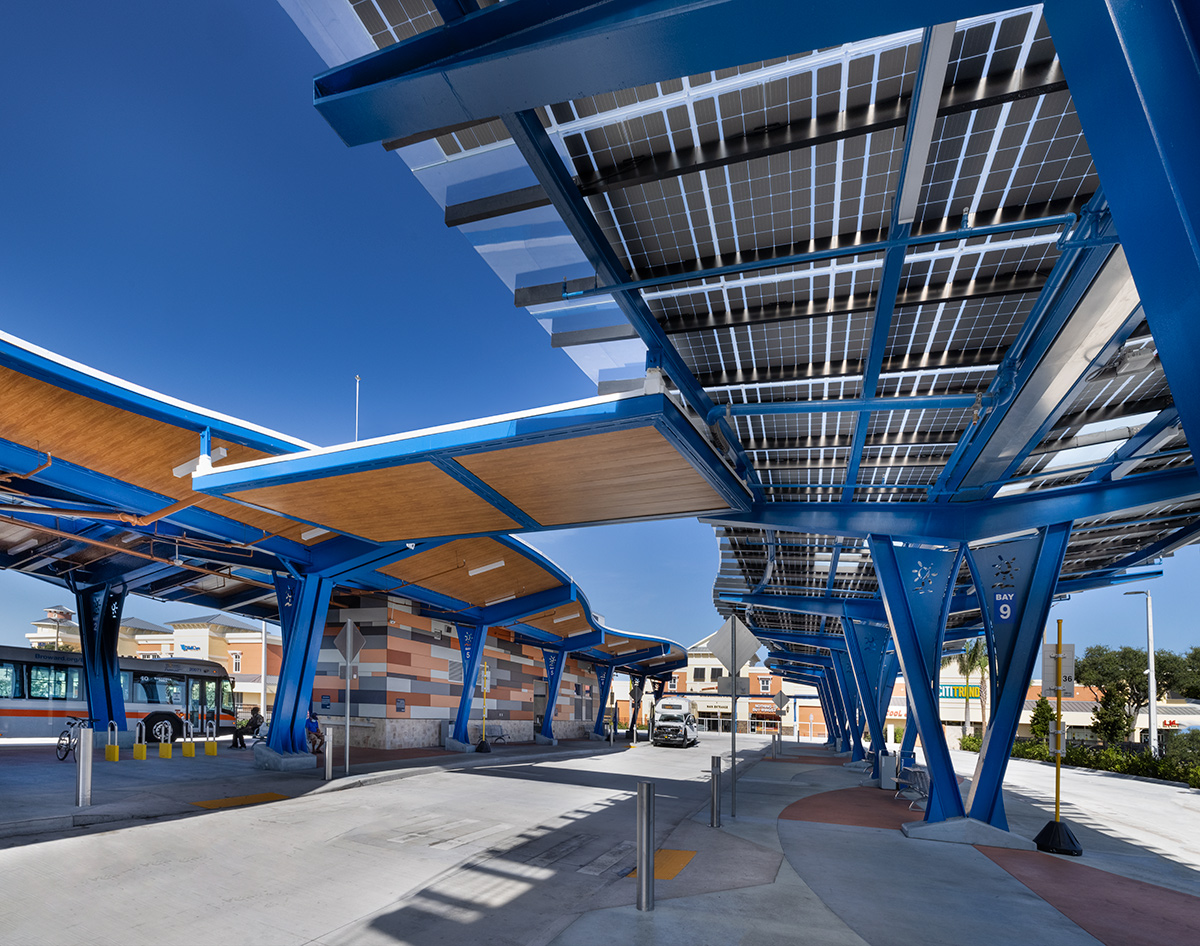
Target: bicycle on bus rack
(68, 739)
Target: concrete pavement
(534, 847)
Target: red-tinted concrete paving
(860, 807)
(1116, 910)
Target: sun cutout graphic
(923, 576)
(1005, 572)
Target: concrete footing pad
(453, 745)
(966, 831)
(541, 740)
(267, 758)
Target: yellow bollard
(139, 741)
(112, 752)
(189, 742)
(210, 742)
(164, 750)
(139, 751)
(189, 750)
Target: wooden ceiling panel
(393, 504)
(444, 570)
(573, 625)
(625, 474)
(120, 444)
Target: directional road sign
(349, 641)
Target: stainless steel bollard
(645, 846)
(714, 818)
(328, 753)
(83, 767)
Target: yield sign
(349, 641)
(733, 637)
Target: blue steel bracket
(1017, 580)
(916, 584)
(604, 676)
(555, 660)
(846, 691)
(99, 608)
(471, 642)
(303, 611)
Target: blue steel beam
(917, 402)
(303, 609)
(604, 675)
(555, 661)
(1135, 83)
(471, 642)
(969, 521)
(865, 649)
(843, 675)
(513, 57)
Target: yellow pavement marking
(240, 800)
(668, 864)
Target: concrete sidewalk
(533, 845)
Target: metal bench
(498, 735)
(915, 780)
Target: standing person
(249, 727)
(312, 731)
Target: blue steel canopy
(929, 272)
(888, 273)
(95, 492)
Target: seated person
(312, 731)
(248, 727)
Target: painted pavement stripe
(240, 800)
(668, 864)
(560, 850)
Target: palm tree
(974, 658)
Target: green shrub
(1184, 748)
(970, 743)
(1031, 750)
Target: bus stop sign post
(83, 765)
(349, 642)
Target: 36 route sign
(1049, 674)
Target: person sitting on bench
(312, 730)
(248, 728)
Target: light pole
(1153, 685)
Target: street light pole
(1152, 681)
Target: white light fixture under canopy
(566, 617)
(485, 568)
(488, 604)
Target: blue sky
(176, 213)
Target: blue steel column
(1135, 82)
(637, 687)
(917, 584)
(555, 659)
(888, 672)
(908, 744)
(658, 685)
(865, 647)
(471, 641)
(303, 610)
(846, 688)
(1019, 575)
(604, 675)
(99, 608)
(841, 730)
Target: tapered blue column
(471, 641)
(846, 689)
(604, 675)
(99, 608)
(916, 584)
(303, 608)
(555, 659)
(865, 647)
(658, 686)
(1015, 580)
(888, 672)
(637, 687)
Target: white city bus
(41, 689)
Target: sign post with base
(1056, 837)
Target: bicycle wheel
(64, 744)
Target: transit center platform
(534, 844)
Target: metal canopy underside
(606, 460)
(77, 510)
(888, 272)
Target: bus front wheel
(162, 729)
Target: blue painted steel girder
(471, 642)
(969, 521)
(555, 660)
(518, 56)
(604, 676)
(1135, 83)
(99, 609)
(865, 649)
(303, 606)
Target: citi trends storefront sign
(956, 691)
